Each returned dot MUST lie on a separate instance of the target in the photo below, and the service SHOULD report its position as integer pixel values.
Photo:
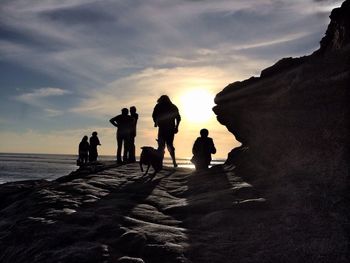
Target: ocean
(18, 166)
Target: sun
(196, 105)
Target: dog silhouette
(151, 157)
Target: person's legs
(171, 148)
(85, 158)
(93, 155)
(161, 145)
(126, 151)
(132, 149)
(161, 142)
(119, 149)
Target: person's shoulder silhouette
(165, 112)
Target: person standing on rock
(167, 118)
(124, 123)
(202, 149)
(83, 151)
(94, 142)
(135, 117)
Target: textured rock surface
(293, 123)
(115, 214)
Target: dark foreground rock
(116, 214)
(294, 125)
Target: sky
(68, 66)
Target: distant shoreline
(219, 159)
(33, 166)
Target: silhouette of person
(83, 151)
(135, 117)
(94, 141)
(167, 118)
(124, 123)
(202, 149)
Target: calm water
(16, 167)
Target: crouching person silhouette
(83, 151)
(202, 149)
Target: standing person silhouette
(124, 123)
(94, 142)
(167, 118)
(83, 151)
(135, 117)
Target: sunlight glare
(196, 105)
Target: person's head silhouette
(85, 139)
(125, 111)
(164, 99)
(132, 110)
(204, 133)
(94, 133)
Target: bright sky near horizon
(68, 66)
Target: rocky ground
(115, 214)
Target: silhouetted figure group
(126, 134)
(88, 151)
(167, 119)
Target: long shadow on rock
(74, 221)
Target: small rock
(130, 260)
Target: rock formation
(293, 120)
(293, 123)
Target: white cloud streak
(39, 98)
(34, 97)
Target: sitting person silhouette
(94, 141)
(83, 151)
(202, 150)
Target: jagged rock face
(294, 118)
(338, 32)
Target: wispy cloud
(34, 97)
(39, 98)
(95, 42)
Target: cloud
(33, 97)
(112, 54)
(39, 98)
(92, 43)
(326, 1)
